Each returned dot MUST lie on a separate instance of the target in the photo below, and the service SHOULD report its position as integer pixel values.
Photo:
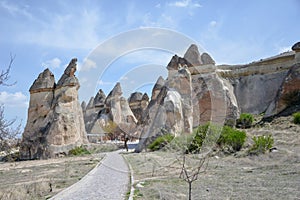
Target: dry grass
(41, 179)
(274, 175)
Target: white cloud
(15, 10)
(52, 64)
(87, 65)
(284, 49)
(124, 78)
(17, 99)
(146, 56)
(101, 83)
(185, 4)
(213, 23)
(72, 29)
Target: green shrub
(195, 142)
(261, 144)
(232, 138)
(77, 151)
(245, 120)
(207, 133)
(160, 142)
(296, 118)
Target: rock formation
(101, 112)
(138, 103)
(195, 92)
(55, 120)
(219, 94)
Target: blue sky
(49, 33)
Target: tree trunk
(190, 190)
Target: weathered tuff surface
(55, 121)
(138, 103)
(195, 92)
(220, 93)
(102, 113)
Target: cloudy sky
(132, 41)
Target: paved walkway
(109, 180)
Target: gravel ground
(109, 180)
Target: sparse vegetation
(8, 134)
(78, 151)
(160, 142)
(245, 120)
(261, 144)
(41, 179)
(296, 118)
(232, 138)
(209, 134)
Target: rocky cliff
(55, 122)
(197, 91)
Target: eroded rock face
(138, 103)
(296, 46)
(44, 83)
(55, 120)
(288, 96)
(169, 111)
(206, 59)
(192, 55)
(113, 109)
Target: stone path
(109, 180)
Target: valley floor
(274, 175)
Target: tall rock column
(67, 129)
(34, 141)
(55, 120)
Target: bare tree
(192, 166)
(8, 134)
(4, 75)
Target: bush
(207, 133)
(296, 118)
(160, 142)
(261, 144)
(232, 138)
(77, 151)
(195, 142)
(245, 120)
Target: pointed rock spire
(136, 96)
(145, 97)
(99, 100)
(68, 78)
(160, 83)
(44, 82)
(207, 59)
(116, 91)
(177, 62)
(192, 55)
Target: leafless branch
(4, 74)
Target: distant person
(125, 143)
